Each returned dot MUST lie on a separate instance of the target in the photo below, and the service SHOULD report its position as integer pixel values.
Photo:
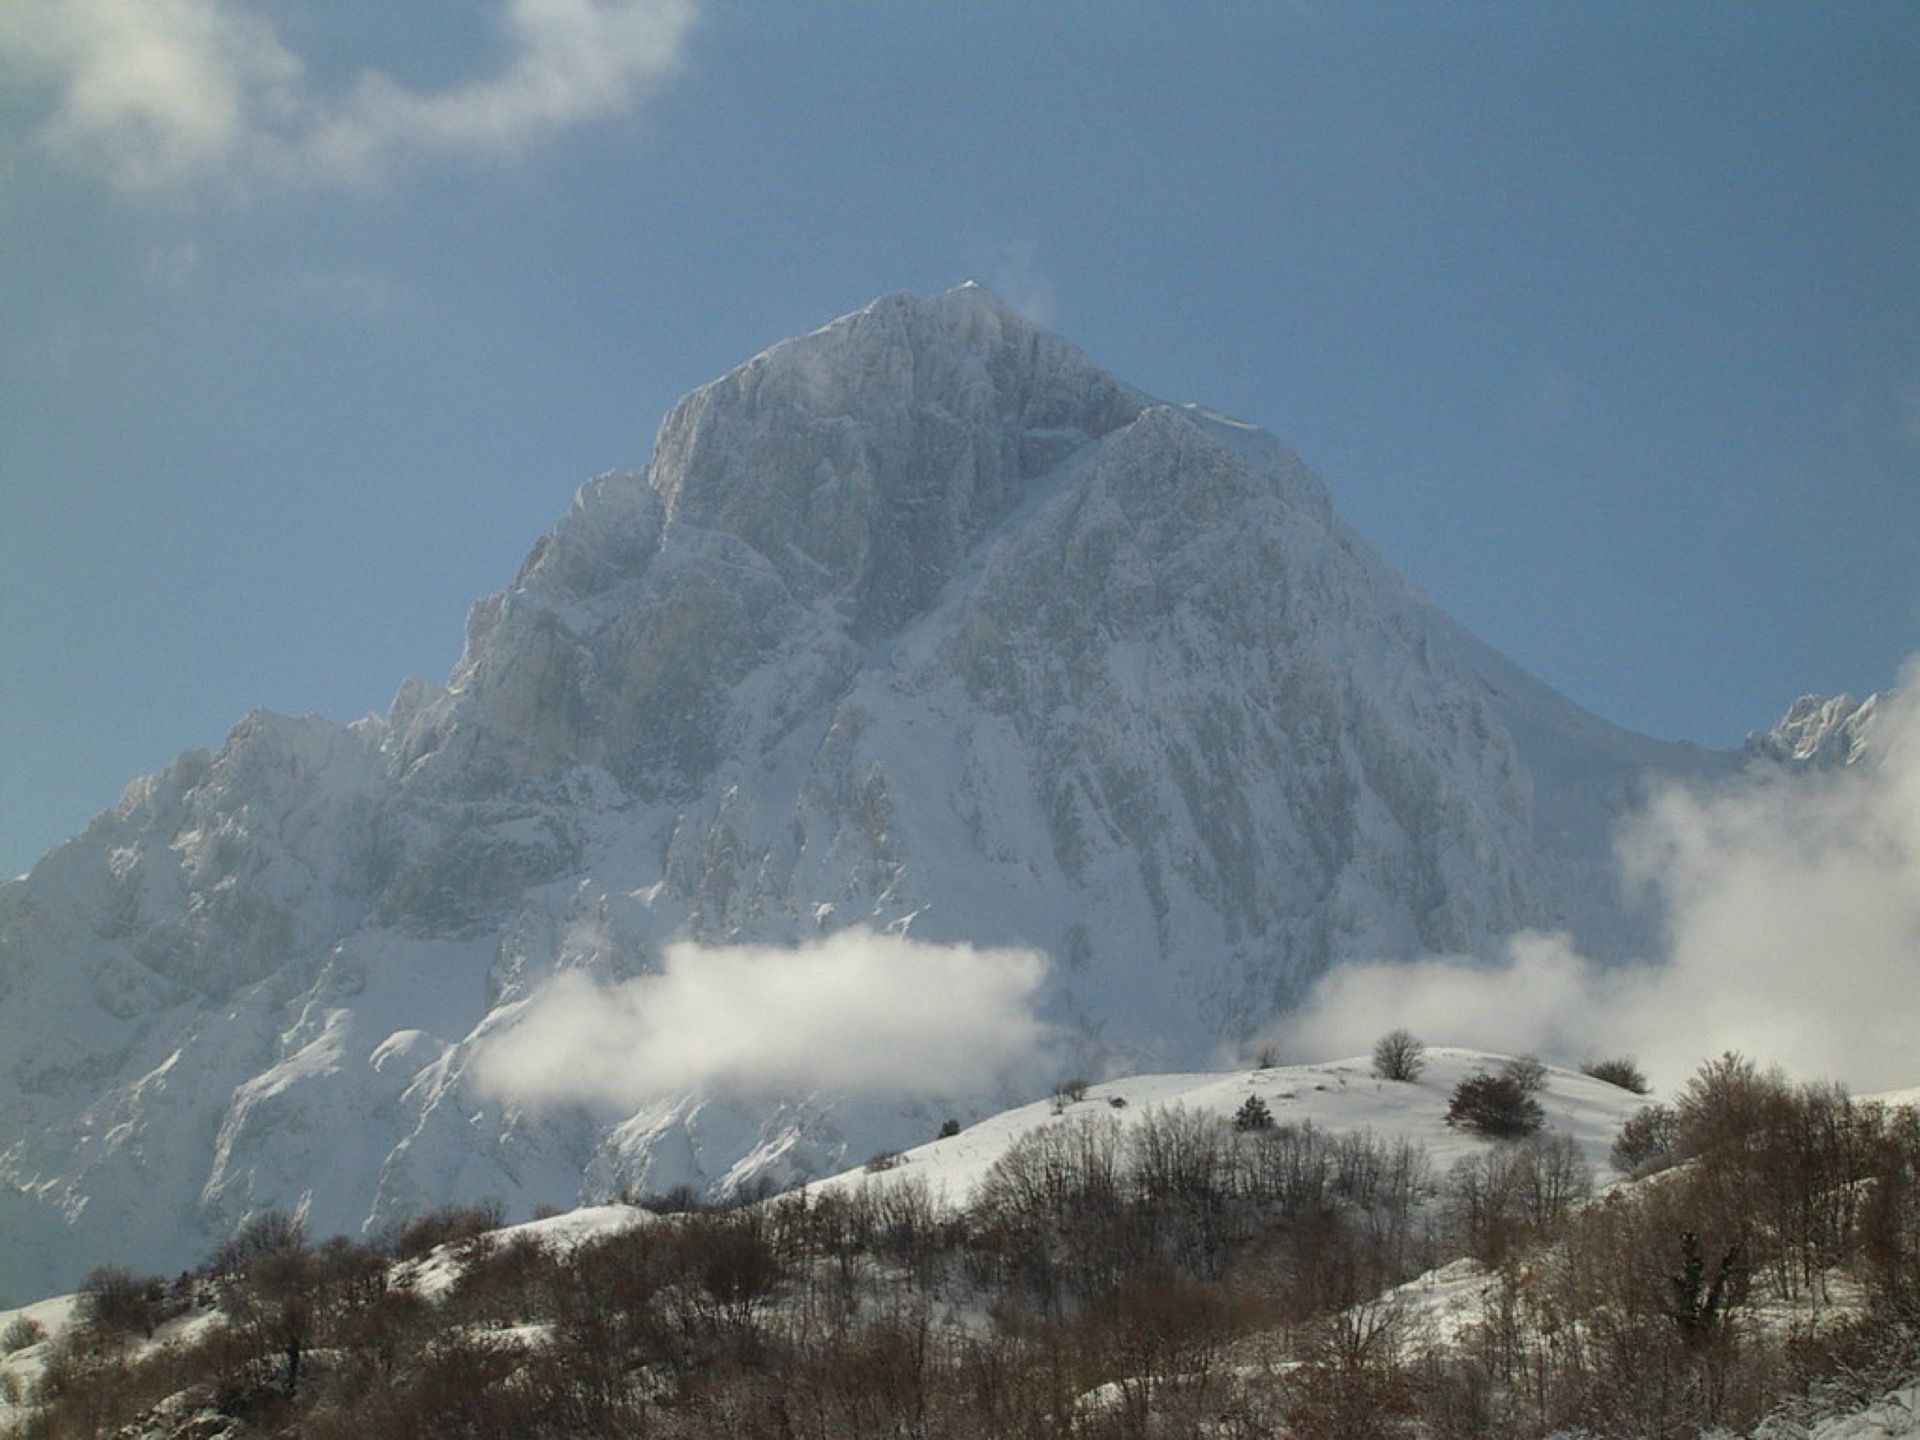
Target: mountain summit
(920, 620)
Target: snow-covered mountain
(921, 619)
(1822, 731)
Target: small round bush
(1497, 1106)
(1619, 1071)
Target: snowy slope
(922, 619)
(1339, 1097)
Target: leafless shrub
(1399, 1055)
(507, 1284)
(264, 1232)
(1179, 1154)
(1890, 1220)
(680, 1199)
(1349, 1385)
(1727, 1101)
(1527, 1072)
(1649, 1140)
(115, 1302)
(1621, 1071)
(1553, 1178)
(447, 1225)
(733, 1263)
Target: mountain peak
(968, 320)
(969, 296)
(1819, 730)
(873, 451)
(922, 617)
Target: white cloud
(166, 95)
(1792, 913)
(855, 1013)
(1543, 997)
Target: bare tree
(1529, 1072)
(1399, 1055)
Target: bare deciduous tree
(1399, 1055)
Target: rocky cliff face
(1821, 731)
(920, 619)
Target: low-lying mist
(859, 1012)
(1790, 907)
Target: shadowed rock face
(919, 617)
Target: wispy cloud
(340, 294)
(172, 268)
(1014, 274)
(858, 1012)
(1552, 399)
(169, 96)
(1792, 910)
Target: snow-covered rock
(920, 619)
(1820, 730)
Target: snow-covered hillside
(1339, 1097)
(919, 620)
(1141, 1256)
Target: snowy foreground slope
(1255, 1367)
(919, 620)
(1340, 1097)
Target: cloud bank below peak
(179, 96)
(1791, 904)
(859, 1012)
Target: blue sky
(1600, 321)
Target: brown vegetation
(1178, 1275)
